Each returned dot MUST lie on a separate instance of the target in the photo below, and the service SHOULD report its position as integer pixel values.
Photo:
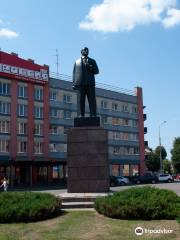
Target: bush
(27, 206)
(144, 203)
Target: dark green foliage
(144, 203)
(163, 152)
(27, 206)
(153, 159)
(176, 155)
(167, 166)
(153, 162)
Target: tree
(163, 152)
(167, 166)
(153, 162)
(176, 155)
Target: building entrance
(22, 176)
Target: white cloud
(1, 21)
(172, 19)
(121, 15)
(7, 33)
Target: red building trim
(46, 121)
(30, 124)
(141, 129)
(13, 140)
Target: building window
(125, 122)
(22, 110)
(67, 98)
(4, 126)
(104, 119)
(22, 147)
(54, 112)
(5, 107)
(134, 123)
(22, 128)
(38, 146)
(134, 109)
(134, 137)
(115, 170)
(38, 112)
(125, 108)
(53, 129)
(136, 151)
(22, 91)
(125, 136)
(66, 129)
(126, 170)
(4, 146)
(115, 121)
(114, 106)
(57, 172)
(135, 170)
(53, 95)
(53, 147)
(131, 150)
(116, 150)
(116, 135)
(4, 88)
(38, 94)
(38, 129)
(67, 114)
(104, 104)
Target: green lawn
(85, 225)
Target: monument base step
(71, 205)
(79, 200)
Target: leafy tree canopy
(176, 154)
(163, 152)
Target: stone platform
(77, 201)
(87, 121)
(88, 167)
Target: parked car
(165, 178)
(118, 180)
(147, 178)
(113, 181)
(122, 180)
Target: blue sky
(135, 43)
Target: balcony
(120, 128)
(58, 155)
(58, 137)
(124, 159)
(145, 117)
(115, 142)
(145, 130)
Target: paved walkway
(175, 186)
(171, 186)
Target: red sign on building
(12, 66)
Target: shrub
(140, 203)
(27, 206)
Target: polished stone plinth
(88, 168)
(87, 122)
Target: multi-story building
(36, 112)
(121, 113)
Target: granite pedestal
(88, 168)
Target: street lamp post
(160, 154)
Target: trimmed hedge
(27, 206)
(143, 203)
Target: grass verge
(85, 225)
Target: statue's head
(85, 51)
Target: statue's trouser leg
(81, 99)
(92, 100)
